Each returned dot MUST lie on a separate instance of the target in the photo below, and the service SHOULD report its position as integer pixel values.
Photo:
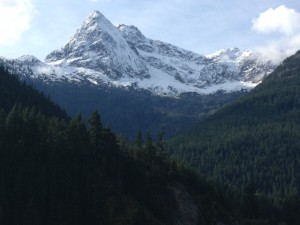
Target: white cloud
(283, 21)
(274, 52)
(15, 17)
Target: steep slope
(57, 171)
(14, 92)
(228, 69)
(255, 139)
(102, 54)
(138, 83)
(97, 45)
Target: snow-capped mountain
(121, 56)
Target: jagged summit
(96, 15)
(95, 28)
(100, 53)
(98, 45)
(132, 33)
(29, 58)
(229, 54)
(96, 21)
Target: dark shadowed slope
(14, 92)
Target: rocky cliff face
(102, 54)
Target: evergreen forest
(239, 166)
(253, 144)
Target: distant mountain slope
(13, 92)
(139, 83)
(101, 54)
(255, 139)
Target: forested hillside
(13, 92)
(127, 110)
(55, 170)
(255, 140)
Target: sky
(272, 27)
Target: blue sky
(271, 26)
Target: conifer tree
(95, 130)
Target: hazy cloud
(15, 16)
(283, 21)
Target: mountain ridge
(121, 56)
(137, 83)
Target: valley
(137, 83)
(117, 128)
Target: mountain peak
(122, 56)
(93, 34)
(99, 45)
(95, 15)
(96, 20)
(229, 54)
(28, 58)
(132, 33)
(225, 51)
